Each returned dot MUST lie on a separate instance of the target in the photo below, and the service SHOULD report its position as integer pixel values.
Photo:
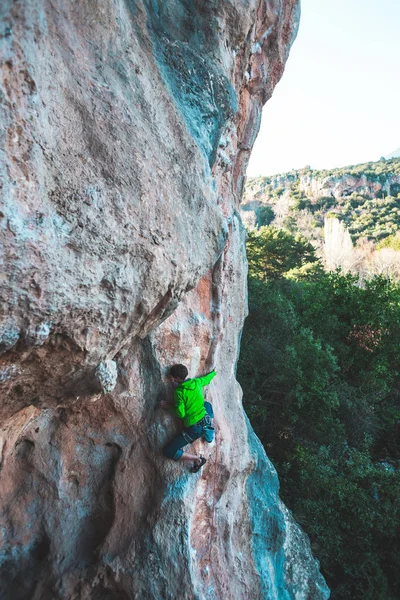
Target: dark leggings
(174, 448)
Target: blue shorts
(174, 448)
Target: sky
(338, 102)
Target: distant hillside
(365, 197)
(394, 154)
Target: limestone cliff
(345, 185)
(126, 128)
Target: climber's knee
(171, 453)
(174, 448)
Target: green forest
(319, 368)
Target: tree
(265, 215)
(271, 252)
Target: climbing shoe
(197, 468)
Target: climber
(189, 405)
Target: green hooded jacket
(189, 399)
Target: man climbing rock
(189, 405)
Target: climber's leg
(193, 457)
(174, 448)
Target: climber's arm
(205, 380)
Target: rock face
(126, 127)
(345, 185)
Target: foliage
(390, 242)
(319, 367)
(271, 252)
(372, 218)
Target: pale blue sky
(338, 102)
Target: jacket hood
(189, 384)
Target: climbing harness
(206, 421)
(208, 429)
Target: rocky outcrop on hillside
(394, 154)
(369, 180)
(126, 129)
(341, 186)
